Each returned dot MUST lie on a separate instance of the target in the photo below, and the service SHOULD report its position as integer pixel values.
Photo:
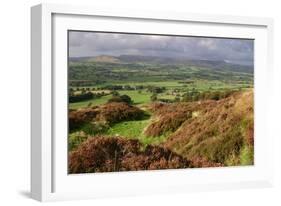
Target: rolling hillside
(205, 133)
(220, 131)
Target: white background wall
(15, 95)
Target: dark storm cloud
(93, 44)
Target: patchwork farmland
(135, 113)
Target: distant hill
(125, 59)
(78, 59)
(147, 59)
(104, 58)
(222, 65)
(101, 58)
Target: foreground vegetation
(154, 116)
(208, 133)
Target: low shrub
(166, 123)
(103, 115)
(169, 117)
(108, 154)
(116, 111)
(123, 98)
(199, 162)
(220, 149)
(77, 118)
(220, 131)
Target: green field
(92, 102)
(134, 130)
(183, 78)
(143, 96)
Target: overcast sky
(83, 44)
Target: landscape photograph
(151, 102)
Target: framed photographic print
(134, 102)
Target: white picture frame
(49, 178)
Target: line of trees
(156, 90)
(121, 87)
(212, 95)
(81, 97)
(149, 88)
(84, 96)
